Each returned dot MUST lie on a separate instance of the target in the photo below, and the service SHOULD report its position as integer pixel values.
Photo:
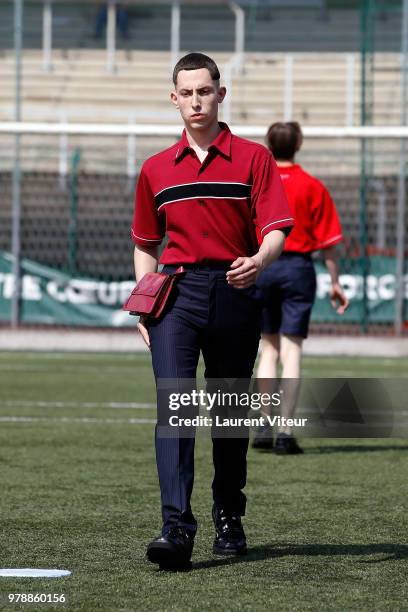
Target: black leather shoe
(287, 445)
(263, 438)
(229, 534)
(173, 550)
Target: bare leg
(268, 361)
(290, 355)
(267, 371)
(266, 380)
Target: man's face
(197, 97)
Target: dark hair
(284, 139)
(195, 61)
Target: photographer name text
(217, 421)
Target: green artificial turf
(326, 530)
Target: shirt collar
(222, 143)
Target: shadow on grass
(393, 552)
(355, 448)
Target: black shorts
(288, 288)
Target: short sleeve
(270, 209)
(147, 227)
(326, 224)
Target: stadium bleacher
(325, 61)
(80, 90)
(272, 25)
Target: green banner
(53, 297)
(380, 291)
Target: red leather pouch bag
(151, 293)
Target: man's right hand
(142, 327)
(145, 260)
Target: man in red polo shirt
(208, 193)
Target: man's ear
(173, 98)
(222, 92)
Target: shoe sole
(288, 452)
(230, 551)
(262, 446)
(165, 556)
(176, 567)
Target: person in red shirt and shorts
(289, 283)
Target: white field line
(311, 374)
(13, 419)
(303, 410)
(63, 404)
(130, 368)
(70, 356)
(48, 369)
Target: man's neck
(198, 139)
(285, 163)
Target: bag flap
(150, 284)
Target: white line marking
(48, 369)
(146, 239)
(275, 222)
(62, 404)
(207, 197)
(309, 373)
(330, 240)
(31, 355)
(13, 419)
(33, 572)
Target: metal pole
(73, 221)
(63, 154)
(131, 151)
(288, 101)
(47, 35)
(350, 72)
(226, 105)
(175, 32)
(367, 39)
(402, 195)
(379, 188)
(16, 213)
(111, 37)
(239, 31)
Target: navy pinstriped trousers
(205, 314)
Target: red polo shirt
(209, 210)
(317, 225)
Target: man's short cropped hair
(284, 139)
(195, 61)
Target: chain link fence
(79, 222)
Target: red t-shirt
(317, 225)
(209, 210)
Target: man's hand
(337, 295)
(245, 270)
(243, 273)
(141, 326)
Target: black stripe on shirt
(202, 190)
